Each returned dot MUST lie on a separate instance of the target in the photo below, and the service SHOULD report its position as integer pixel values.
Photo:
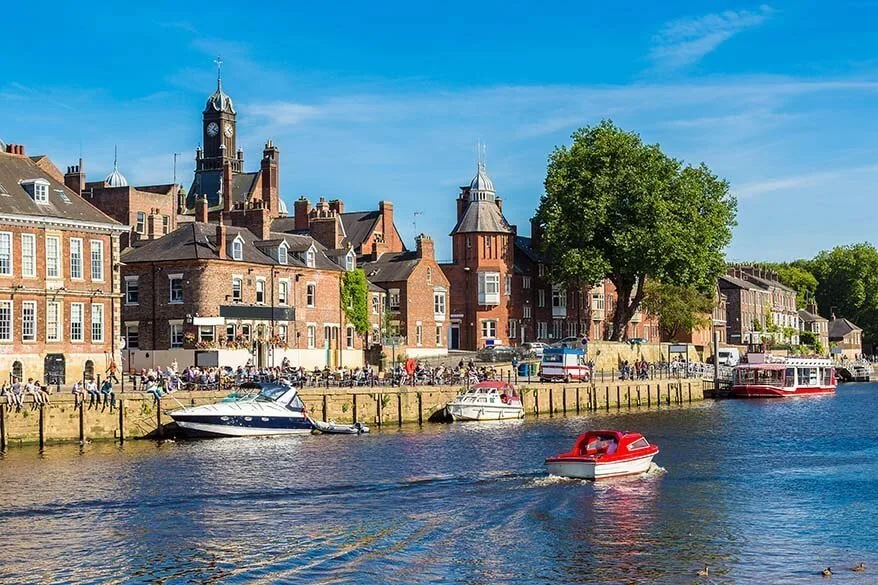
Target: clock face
(212, 129)
(229, 131)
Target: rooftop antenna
(219, 65)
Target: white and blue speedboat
(257, 409)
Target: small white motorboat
(333, 428)
(488, 400)
(600, 454)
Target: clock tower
(219, 131)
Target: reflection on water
(762, 491)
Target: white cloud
(805, 180)
(686, 41)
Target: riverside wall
(138, 416)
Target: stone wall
(138, 416)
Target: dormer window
(282, 255)
(237, 248)
(38, 189)
(311, 258)
(349, 261)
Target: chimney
(16, 149)
(227, 187)
(221, 238)
(462, 202)
(301, 211)
(151, 229)
(425, 247)
(270, 181)
(536, 233)
(499, 203)
(201, 209)
(74, 179)
(325, 229)
(336, 205)
(385, 208)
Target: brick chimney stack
(16, 149)
(151, 229)
(425, 247)
(301, 213)
(74, 178)
(227, 187)
(201, 209)
(385, 208)
(499, 203)
(536, 233)
(221, 238)
(270, 181)
(337, 205)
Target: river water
(761, 491)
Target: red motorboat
(599, 454)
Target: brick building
(59, 275)
(810, 320)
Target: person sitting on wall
(78, 392)
(31, 389)
(16, 393)
(94, 396)
(108, 394)
(42, 391)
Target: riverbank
(139, 416)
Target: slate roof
(525, 246)
(482, 217)
(208, 183)
(810, 317)
(838, 328)
(766, 282)
(357, 226)
(391, 267)
(739, 283)
(14, 199)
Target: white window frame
(311, 257)
(260, 291)
(56, 307)
(29, 323)
(489, 288)
(376, 303)
(128, 329)
(508, 289)
(283, 254)
(128, 289)
(140, 223)
(53, 265)
(41, 191)
(526, 311)
(282, 332)
(76, 261)
(238, 248)
(350, 262)
(172, 340)
(311, 331)
(202, 329)
(7, 262)
(489, 328)
(97, 322)
(239, 280)
(419, 333)
(96, 249)
(393, 299)
(77, 336)
(7, 320)
(166, 224)
(29, 257)
(440, 304)
(525, 282)
(438, 335)
(171, 279)
(310, 294)
(541, 298)
(350, 337)
(283, 291)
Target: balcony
(559, 312)
(637, 317)
(487, 298)
(597, 314)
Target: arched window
(89, 372)
(17, 370)
(237, 249)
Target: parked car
(729, 356)
(533, 349)
(496, 353)
(637, 340)
(571, 342)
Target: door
(54, 369)
(454, 342)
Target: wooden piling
(564, 399)
(82, 422)
(648, 396)
(639, 399)
(121, 421)
(159, 429)
(378, 406)
(42, 426)
(536, 402)
(325, 407)
(607, 397)
(577, 400)
(2, 427)
(551, 403)
(618, 398)
(354, 401)
(420, 409)
(658, 393)
(399, 408)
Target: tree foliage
(798, 277)
(680, 308)
(847, 279)
(355, 299)
(615, 207)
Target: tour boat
(601, 454)
(268, 409)
(766, 376)
(488, 400)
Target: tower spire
(115, 157)
(219, 75)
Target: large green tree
(615, 207)
(680, 308)
(847, 279)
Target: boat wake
(654, 470)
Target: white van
(729, 356)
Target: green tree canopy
(798, 277)
(680, 308)
(355, 299)
(615, 207)
(847, 279)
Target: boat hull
(239, 426)
(475, 412)
(589, 468)
(749, 391)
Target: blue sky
(387, 100)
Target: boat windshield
(599, 446)
(271, 393)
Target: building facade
(59, 276)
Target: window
(5, 320)
(132, 336)
(141, 223)
(489, 329)
(310, 258)
(556, 329)
(439, 304)
(488, 241)
(17, 370)
(349, 338)
(75, 258)
(349, 262)
(231, 329)
(283, 292)
(28, 255)
(542, 269)
(53, 257)
(260, 292)
(205, 333)
(6, 253)
(559, 298)
(526, 312)
(97, 261)
(97, 323)
(237, 294)
(29, 321)
(429, 275)
(282, 332)
(41, 192)
(237, 248)
(310, 294)
(132, 290)
(541, 298)
(597, 301)
(245, 331)
(282, 254)
(166, 224)
(176, 335)
(76, 333)
(376, 303)
(525, 282)
(175, 290)
(469, 243)
(513, 329)
(489, 288)
(438, 335)
(53, 320)
(312, 336)
(542, 330)
(419, 334)
(508, 290)
(393, 299)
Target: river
(761, 491)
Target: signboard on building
(678, 348)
